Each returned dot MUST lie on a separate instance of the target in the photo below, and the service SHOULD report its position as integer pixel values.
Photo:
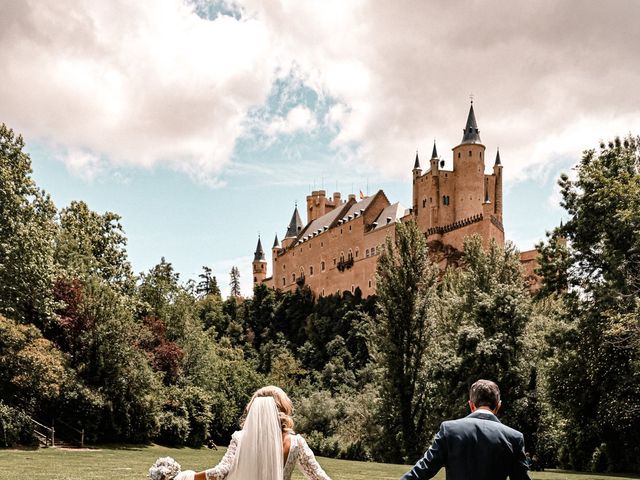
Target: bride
(266, 448)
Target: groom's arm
(433, 460)
(520, 464)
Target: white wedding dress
(255, 452)
(299, 454)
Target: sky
(202, 123)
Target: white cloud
(298, 119)
(151, 83)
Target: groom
(476, 447)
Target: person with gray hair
(477, 446)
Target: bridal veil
(259, 455)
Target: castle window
(349, 227)
(424, 202)
(469, 152)
(350, 255)
(321, 244)
(284, 281)
(340, 231)
(334, 262)
(342, 256)
(353, 288)
(357, 253)
(480, 154)
(284, 267)
(322, 292)
(322, 266)
(430, 200)
(369, 283)
(310, 269)
(458, 154)
(255, 280)
(293, 277)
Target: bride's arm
(308, 463)
(223, 468)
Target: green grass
(132, 463)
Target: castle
(338, 247)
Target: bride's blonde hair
(283, 402)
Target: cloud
(298, 119)
(132, 83)
(151, 83)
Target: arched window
(310, 269)
(342, 256)
(357, 251)
(322, 266)
(369, 283)
(350, 255)
(293, 277)
(255, 279)
(424, 202)
(366, 253)
(353, 288)
(284, 281)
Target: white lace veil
(259, 453)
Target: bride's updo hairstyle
(283, 402)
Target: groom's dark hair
(485, 393)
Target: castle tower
(497, 202)
(468, 165)
(293, 229)
(417, 171)
(259, 264)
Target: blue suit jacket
(477, 447)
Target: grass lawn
(132, 463)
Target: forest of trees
(85, 342)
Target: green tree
(27, 232)
(594, 379)
(208, 284)
(407, 297)
(92, 244)
(32, 370)
(486, 309)
(234, 282)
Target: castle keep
(337, 248)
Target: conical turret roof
(498, 162)
(416, 165)
(434, 153)
(295, 225)
(258, 256)
(276, 242)
(471, 132)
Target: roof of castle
(416, 164)
(390, 214)
(276, 242)
(258, 256)
(471, 132)
(346, 212)
(325, 222)
(434, 153)
(295, 225)
(498, 162)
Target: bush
(15, 427)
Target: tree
(594, 378)
(208, 284)
(485, 310)
(27, 231)
(32, 370)
(406, 284)
(234, 283)
(92, 244)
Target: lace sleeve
(220, 471)
(308, 463)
